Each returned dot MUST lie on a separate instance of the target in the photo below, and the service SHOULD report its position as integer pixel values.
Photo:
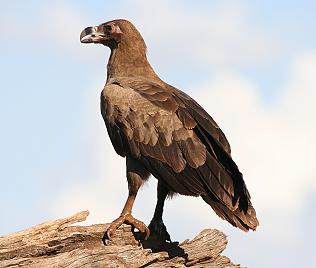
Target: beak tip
(84, 39)
(84, 36)
(90, 35)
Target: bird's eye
(108, 28)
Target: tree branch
(57, 244)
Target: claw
(129, 219)
(109, 235)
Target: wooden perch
(57, 244)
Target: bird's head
(128, 49)
(112, 33)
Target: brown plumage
(162, 131)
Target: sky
(250, 64)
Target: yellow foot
(129, 219)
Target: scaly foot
(129, 219)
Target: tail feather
(238, 218)
(227, 193)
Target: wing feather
(179, 143)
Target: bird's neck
(129, 61)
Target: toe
(109, 234)
(113, 227)
(129, 219)
(147, 233)
(138, 224)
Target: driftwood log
(58, 244)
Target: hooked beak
(91, 35)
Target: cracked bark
(58, 244)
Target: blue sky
(251, 64)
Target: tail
(227, 193)
(244, 220)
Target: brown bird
(162, 131)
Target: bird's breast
(125, 99)
(118, 96)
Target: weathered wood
(57, 244)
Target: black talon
(158, 230)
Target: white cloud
(57, 26)
(272, 144)
(62, 25)
(221, 35)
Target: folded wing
(179, 143)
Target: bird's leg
(126, 217)
(156, 226)
(136, 175)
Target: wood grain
(58, 244)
